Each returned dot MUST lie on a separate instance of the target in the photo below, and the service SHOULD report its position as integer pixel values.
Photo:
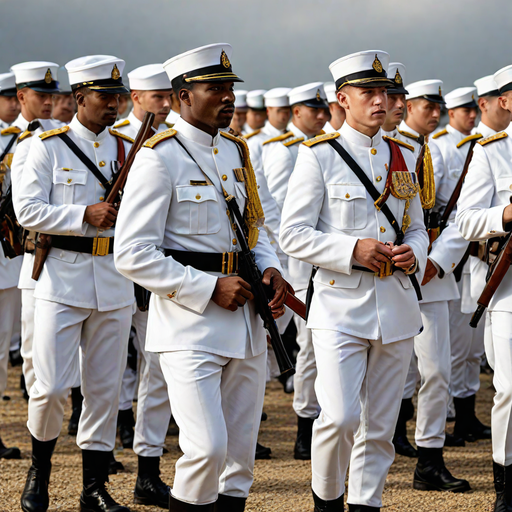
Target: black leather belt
(224, 262)
(99, 246)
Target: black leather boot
(227, 503)
(400, 441)
(9, 453)
(463, 414)
(180, 506)
(432, 475)
(76, 403)
(114, 466)
(94, 497)
(336, 505)
(149, 488)
(503, 487)
(262, 452)
(454, 440)
(125, 424)
(361, 508)
(476, 428)
(35, 494)
(302, 450)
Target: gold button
(69, 180)
(347, 195)
(198, 197)
(96, 144)
(382, 229)
(510, 187)
(224, 177)
(227, 213)
(331, 282)
(215, 151)
(234, 241)
(171, 295)
(101, 198)
(374, 151)
(379, 178)
(102, 164)
(453, 265)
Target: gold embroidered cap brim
(369, 82)
(215, 77)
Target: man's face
(100, 108)
(279, 116)
(37, 105)
(256, 118)
(492, 109)
(365, 106)
(423, 115)
(157, 102)
(310, 119)
(239, 119)
(64, 107)
(9, 108)
(395, 109)
(463, 118)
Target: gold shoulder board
(160, 137)
(468, 138)
(492, 138)
(398, 141)
(252, 134)
(125, 122)
(51, 133)
(10, 131)
(321, 138)
(24, 135)
(408, 135)
(120, 135)
(440, 134)
(279, 138)
(169, 125)
(293, 141)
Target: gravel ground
(281, 484)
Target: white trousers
(501, 419)
(130, 380)
(16, 331)
(305, 402)
(9, 309)
(102, 337)
(413, 377)
(28, 303)
(432, 347)
(359, 387)
(217, 404)
(467, 349)
(153, 408)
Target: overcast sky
(275, 42)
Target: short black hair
(84, 90)
(176, 88)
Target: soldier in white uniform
(9, 104)
(484, 212)
(363, 340)
(336, 110)
(211, 349)
(82, 303)
(151, 91)
(256, 112)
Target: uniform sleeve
(140, 231)
(34, 210)
(277, 167)
(476, 218)
(18, 161)
(449, 248)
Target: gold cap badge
(115, 73)
(440, 93)
(377, 64)
(398, 77)
(318, 97)
(224, 60)
(48, 76)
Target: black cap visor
(40, 86)
(9, 92)
(397, 89)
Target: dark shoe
(262, 452)
(125, 424)
(94, 497)
(180, 506)
(15, 357)
(227, 503)
(432, 475)
(149, 488)
(400, 441)
(76, 403)
(302, 450)
(361, 508)
(114, 466)
(453, 440)
(9, 453)
(404, 447)
(35, 494)
(475, 427)
(336, 505)
(503, 487)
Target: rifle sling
(8, 147)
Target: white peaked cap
(255, 99)
(330, 91)
(486, 86)
(428, 89)
(312, 95)
(151, 77)
(240, 98)
(277, 97)
(38, 75)
(461, 97)
(396, 72)
(503, 79)
(7, 84)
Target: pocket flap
(346, 191)
(504, 183)
(71, 177)
(196, 194)
(61, 254)
(404, 280)
(338, 280)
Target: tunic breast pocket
(347, 201)
(69, 185)
(197, 211)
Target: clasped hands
(370, 253)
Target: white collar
(484, 130)
(296, 131)
(134, 121)
(21, 123)
(458, 135)
(358, 138)
(195, 134)
(271, 130)
(406, 128)
(85, 133)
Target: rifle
(253, 277)
(296, 305)
(9, 228)
(497, 271)
(44, 241)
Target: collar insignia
(398, 77)
(48, 76)
(318, 97)
(377, 64)
(115, 73)
(224, 60)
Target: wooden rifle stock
(296, 305)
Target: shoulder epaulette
(120, 135)
(252, 134)
(440, 134)
(125, 122)
(492, 138)
(279, 138)
(408, 135)
(160, 137)
(398, 141)
(169, 125)
(321, 138)
(25, 135)
(322, 132)
(475, 136)
(293, 141)
(51, 133)
(10, 131)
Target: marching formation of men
(209, 220)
